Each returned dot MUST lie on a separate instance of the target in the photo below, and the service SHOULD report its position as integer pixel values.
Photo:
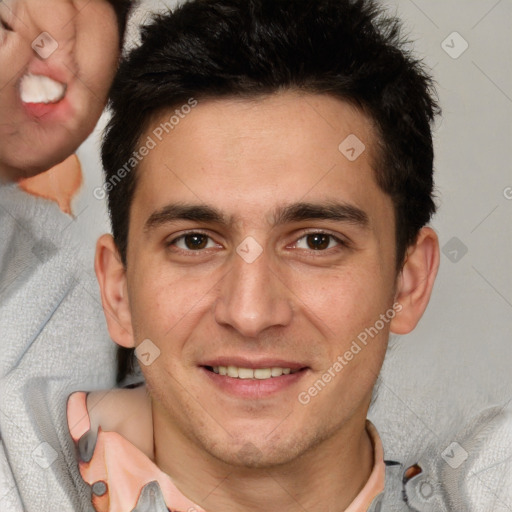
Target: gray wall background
(459, 359)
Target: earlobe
(111, 275)
(416, 281)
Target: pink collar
(117, 470)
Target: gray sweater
(53, 341)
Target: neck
(327, 477)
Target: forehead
(250, 155)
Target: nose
(253, 298)
(57, 20)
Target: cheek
(165, 304)
(97, 50)
(344, 301)
(15, 54)
(8, 92)
(7, 61)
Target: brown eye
(318, 241)
(196, 241)
(192, 242)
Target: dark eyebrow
(340, 212)
(296, 212)
(180, 211)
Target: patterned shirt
(124, 479)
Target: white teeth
(232, 371)
(245, 373)
(41, 89)
(263, 373)
(276, 372)
(249, 373)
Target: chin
(57, 148)
(15, 171)
(31, 167)
(257, 453)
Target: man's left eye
(193, 242)
(318, 242)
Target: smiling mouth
(237, 372)
(40, 89)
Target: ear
(111, 275)
(416, 281)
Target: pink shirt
(122, 470)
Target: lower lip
(48, 111)
(254, 388)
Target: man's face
(271, 283)
(57, 61)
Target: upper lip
(43, 68)
(253, 363)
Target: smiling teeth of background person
(41, 89)
(250, 373)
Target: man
(57, 61)
(269, 171)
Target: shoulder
(124, 411)
(468, 469)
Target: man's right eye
(192, 242)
